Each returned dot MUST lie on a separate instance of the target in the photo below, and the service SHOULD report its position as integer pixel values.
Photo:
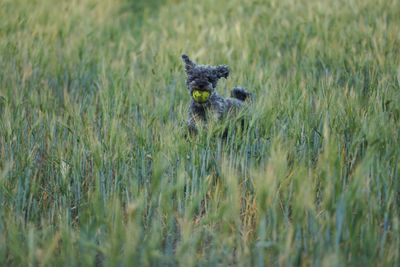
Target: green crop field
(96, 167)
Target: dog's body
(205, 78)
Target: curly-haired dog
(201, 81)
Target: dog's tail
(241, 94)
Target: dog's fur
(205, 78)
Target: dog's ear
(222, 71)
(189, 65)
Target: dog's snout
(202, 85)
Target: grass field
(95, 169)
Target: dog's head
(203, 78)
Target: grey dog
(205, 78)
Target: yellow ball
(201, 96)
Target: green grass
(94, 168)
